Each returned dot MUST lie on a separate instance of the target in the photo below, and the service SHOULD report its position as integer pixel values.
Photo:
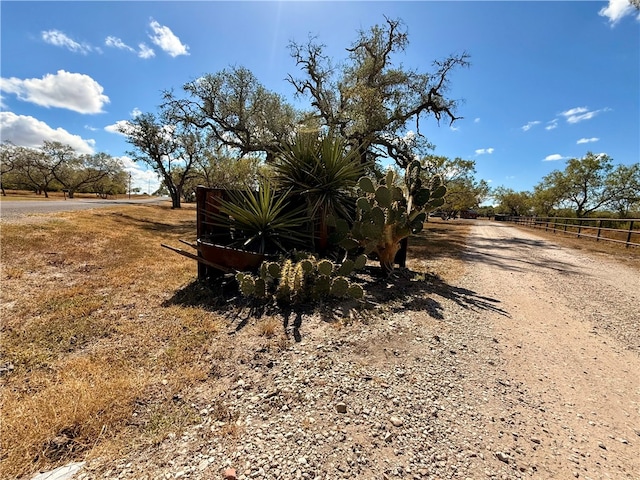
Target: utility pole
(129, 185)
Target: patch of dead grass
(438, 247)
(268, 326)
(68, 410)
(85, 333)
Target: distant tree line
(55, 167)
(587, 186)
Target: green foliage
(296, 282)
(371, 98)
(385, 215)
(323, 172)
(56, 166)
(234, 108)
(588, 184)
(463, 191)
(264, 221)
(511, 202)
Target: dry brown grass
(98, 357)
(86, 342)
(437, 248)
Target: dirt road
(568, 342)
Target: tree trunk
(175, 199)
(386, 255)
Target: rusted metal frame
(198, 258)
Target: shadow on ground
(407, 291)
(184, 227)
(517, 254)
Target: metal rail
(625, 231)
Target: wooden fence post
(629, 234)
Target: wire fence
(624, 231)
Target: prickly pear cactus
(386, 214)
(298, 281)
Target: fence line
(618, 230)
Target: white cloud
(587, 140)
(529, 125)
(552, 124)
(60, 39)
(553, 158)
(482, 151)
(30, 132)
(73, 91)
(115, 42)
(145, 180)
(476, 120)
(579, 114)
(145, 52)
(454, 129)
(164, 38)
(116, 127)
(574, 111)
(409, 137)
(124, 125)
(616, 10)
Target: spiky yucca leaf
(265, 220)
(322, 171)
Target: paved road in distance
(10, 209)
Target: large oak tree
(370, 101)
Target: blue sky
(548, 80)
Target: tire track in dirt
(582, 378)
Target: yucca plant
(264, 221)
(323, 172)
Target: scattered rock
(341, 407)
(503, 457)
(61, 473)
(396, 421)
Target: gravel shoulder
(524, 367)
